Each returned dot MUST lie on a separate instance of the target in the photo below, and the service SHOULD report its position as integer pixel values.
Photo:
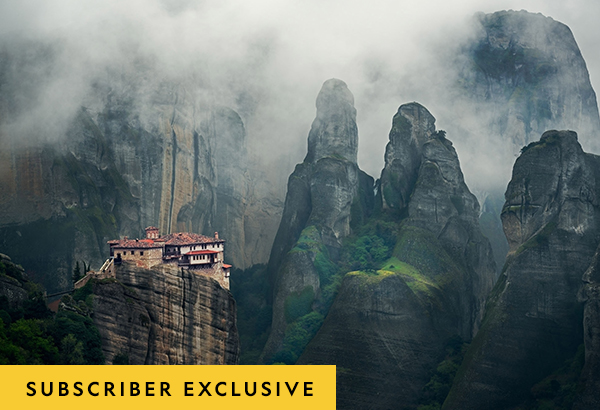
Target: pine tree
(77, 272)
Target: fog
(267, 59)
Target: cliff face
(523, 74)
(321, 194)
(382, 340)
(423, 185)
(140, 153)
(12, 291)
(165, 315)
(590, 295)
(387, 329)
(527, 69)
(533, 321)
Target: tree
(71, 350)
(77, 272)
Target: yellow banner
(168, 387)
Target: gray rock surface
(522, 74)
(589, 398)
(139, 153)
(533, 321)
(386, 331)
(412, 126)
(525, 74)
(11, 288)
(165, 315)
(382, 340)
(321, 193)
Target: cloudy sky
(388, 52)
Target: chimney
(217, 235)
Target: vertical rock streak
(173, 178)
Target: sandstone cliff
(387, 329)
(533, 321)
(317, 215)
(165, 315)
(140, 152)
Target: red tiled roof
(154, 228)
(186, 238)
(178, 239)
(134, 244)
(204, 252)
(226, 266)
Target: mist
(267, 60)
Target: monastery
(201, 254)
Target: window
(141, 253)
(133, 252)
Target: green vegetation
(422, 250)
(370, 277)
(435, 391)
(121, 358)
(252, 295)
(78, 273)
(297, 336)
(299, 304)
(545, 141)
(415, 280)
(31, 334)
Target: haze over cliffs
(520, 75)
(172, 163)
(401, 282)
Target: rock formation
(387, 329)
(589, 398)
(139, 153)
(533, 321)
(317, 215)
(165, 315)
(527, 72)
(12, 291)
(522, 74)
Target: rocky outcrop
(422, 183)
(386, 330)
(165, 315)
(12, 292)
(527, 72)
(590, 376)
(521, 74)
(322, 192)
(139, 153)
(334, 131)
(412, 127)
(533, 321)
(382, 340)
